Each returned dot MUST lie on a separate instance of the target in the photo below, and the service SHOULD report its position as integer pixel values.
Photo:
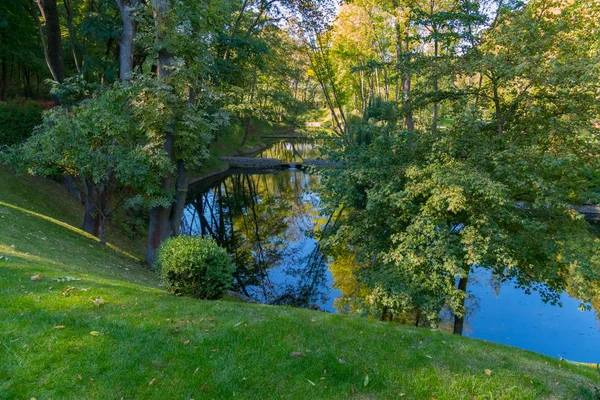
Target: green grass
(151, 345)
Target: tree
(497, 189)
(102, 143)
(126, 42)
(52, 40)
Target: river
(268, 221)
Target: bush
(194, 266)
(17, 121)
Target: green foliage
(380, 110)
(73, 90)
(497, 186)
(194, 266)
(18, 120)
(100, 140)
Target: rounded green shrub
(194, 266)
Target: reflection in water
(267, 222)
(292, 151)
(512, 317)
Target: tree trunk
(247, 121)
(159, 229)
(127, 38)
(459, 321)
(377, 82)
(91, 217)
(102, 230)
(410, 124)
(4, 92)
(398, 30)
(27, 85)
(386, 84)
(403, 64)
(479, 89)
(51, 17)
(363, 103)
(384, 312)
(497, 108)
(36, 18)
(71, 36)
(435, 85)
(160, 223)
(332, 100)
(180, 198)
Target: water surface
(268, 222)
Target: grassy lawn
(97, 325)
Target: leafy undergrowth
(95, 324)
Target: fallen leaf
(59, 327)
(488, 372)
(366, 381)
(79, 377)
(186, 342)
(95, 333)
(151, 382)
(36, 277)
(311, 382)
(197, 369)
(91, 379)
(296, 354)
(428, 356)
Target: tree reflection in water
(293, 151)
(267, 222)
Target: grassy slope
(153, 345)
(232, 142)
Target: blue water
(514, 318)
(268, 221)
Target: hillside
(97, 325)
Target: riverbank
(94, 323)
(230, 145)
